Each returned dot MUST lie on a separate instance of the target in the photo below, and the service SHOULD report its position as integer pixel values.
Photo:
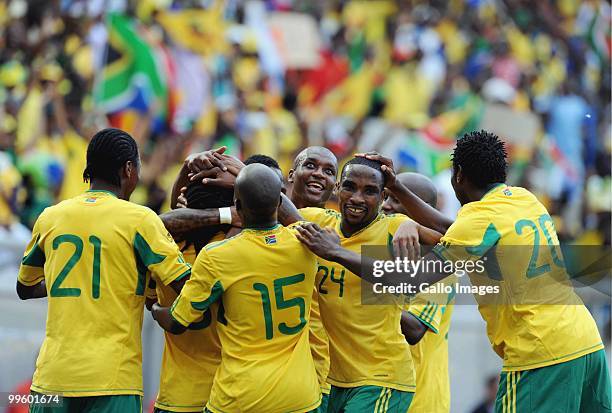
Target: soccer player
(190, 360)
(553, 356)
(429, 351)
(263, 279)
(313, 177)
(311, 182)
(91, 255)
(371, 366)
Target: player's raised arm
(326, 244)
(417, 209)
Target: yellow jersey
(263, 281)
(366, 345)
(430, 354)
(525, 330)
(95, 253)
(190, 360)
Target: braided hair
(107, 153)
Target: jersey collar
(102, 191)
(339, 228)
(492, 189)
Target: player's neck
(348, 230)
(261, 225)
(105, 186)
(477, 194)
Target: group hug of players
(259, 288)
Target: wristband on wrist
(225, 215)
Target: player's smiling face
(314, 179)
(360, 196)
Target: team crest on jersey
(507, 192)
(270, 239)
(91, 200)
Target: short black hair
(206, 196)
(262, 159)
(358, 160)
(107, 152)
(482, 158)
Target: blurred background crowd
(404, 78)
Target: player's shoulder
(320, 215)
(392, 221)
(227, 245)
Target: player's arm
(26, 292)
(326, 244)
(163, 316)
(31, 277)
(199, 292)
(183, 220)
(412, 328)
(287, 212)
(158, 253)
(418, 209)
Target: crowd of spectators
(401, 77)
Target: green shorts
(368, 399)
(128, 403)
(579, 385)
(324, 403)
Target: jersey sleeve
(470, 237)
(320, 216)
(201, 290)
(31, 271)
(427, 312)
(157, 252)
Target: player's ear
(238, 205)
(458, 175)
(290, 176)
(128, 169)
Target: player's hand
(387, 167)
(220, 176)
(406, 241)
(214, 176)
(322, 241)
(201, 161)
(181, 200)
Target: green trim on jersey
(215, 294)
(36, 256)
(103, 191)
(145, 257)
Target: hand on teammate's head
(197, 162)
(387, 166)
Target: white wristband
(225, 215)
